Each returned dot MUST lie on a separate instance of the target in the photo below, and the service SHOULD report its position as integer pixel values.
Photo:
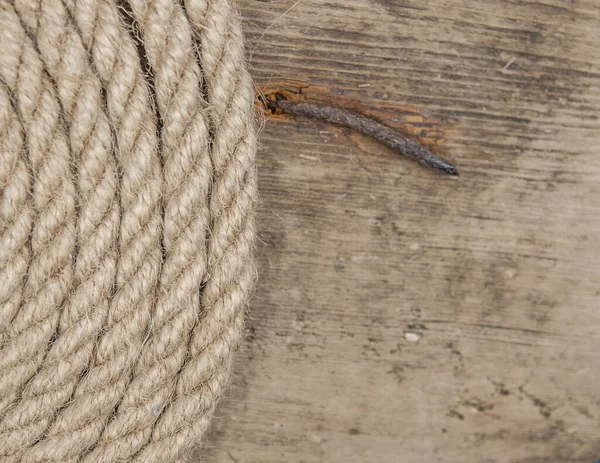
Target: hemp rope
(127, 195)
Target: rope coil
(127, 224)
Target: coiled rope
(127, 196)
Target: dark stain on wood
(406, 119)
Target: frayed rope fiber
(127, 197)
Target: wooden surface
(403, 316)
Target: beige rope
(232, 231)
(187, 170)
(50, 275)
(85, 311)
(129, 108)
(127, 293)
(16, 213)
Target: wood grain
(402, 316)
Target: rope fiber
(127, 198)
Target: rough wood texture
(402, 316)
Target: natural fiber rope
(126, 262)
(16, 214)
(84, 312)
(50, 274)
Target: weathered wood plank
(402, 316)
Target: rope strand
(50, 275)
(130, 110)
(231, 274)
(187, 177)
(16, 213)
(129, 257)
(85, 311)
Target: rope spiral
(127, 197)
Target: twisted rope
(16, 213)
(130, 110)
(50, 274)
(231, 273)
(128, 261)
(85, 311)
(187, 170)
